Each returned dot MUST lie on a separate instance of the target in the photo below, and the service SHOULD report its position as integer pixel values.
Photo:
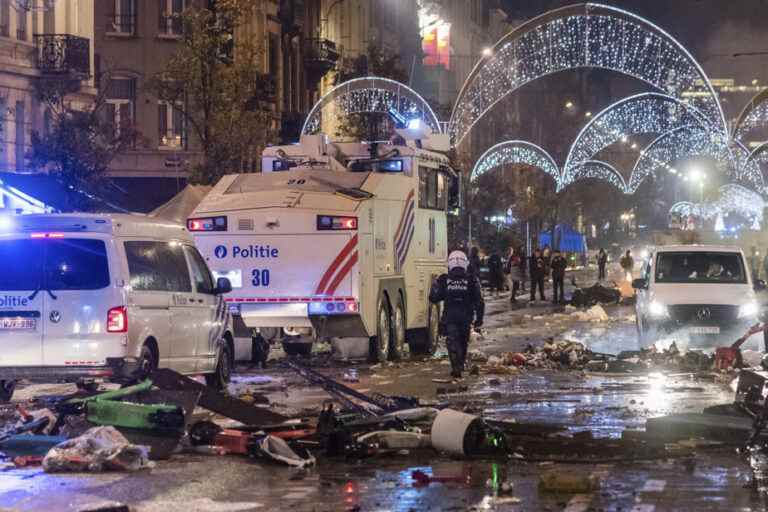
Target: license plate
(18, 324)
(704, 330)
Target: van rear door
(78, 296)
(21, 302)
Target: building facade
(38, 40)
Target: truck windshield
(60, 264)
(700, 267)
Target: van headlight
(750, 309)
(657, 309)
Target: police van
(334, 240)
(107, 296)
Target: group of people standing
(518, 268)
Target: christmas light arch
(593, 169)
(516, 152)
(372, 94)
(640, 114)
(753, 115)
(582, 35)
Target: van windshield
(58, 264)
(700, 267)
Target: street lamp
(487, 52)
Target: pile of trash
(553, 355)
(595, 294)
(594, 314)
(572, 355)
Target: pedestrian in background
(537, 269)
(602, 261)
(765, 264)
(462, 301)
(474, 263)
(514, 273)
(627, 265)
(559, 263)
(754, 263)
(496, 273)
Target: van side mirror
(760, 285)
(223, 286)
(639, 284)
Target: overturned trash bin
(458, 433)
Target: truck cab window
(432, 190)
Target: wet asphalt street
(606, 405)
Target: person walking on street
(496, 273)
(602, 261)
(462, 300)
(558, 277)
(627, 264)
(514, 273)
(537, 270)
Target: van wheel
(380, 348)
(220, 378)
(147, 362)
(399, 348)
(7, 387)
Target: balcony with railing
(63, 54)
(320, 56)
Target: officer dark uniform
(462, 300)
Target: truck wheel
(380, 348)
(7, 387)
(220, 378)
(400, 348)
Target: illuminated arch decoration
(516, 152)
(735, 198)
(694, 141)
(754, 115)
(583, 35)
(684, 209)
(639, 114)
(593, 169)
(372, 94)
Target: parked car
(110, 297)
(702, 291)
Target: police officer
(462, 300)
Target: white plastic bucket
(449, 430)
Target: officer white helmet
(457, 259)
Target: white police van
(700, 295)
(107, 296)
(334, 240)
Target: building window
(21, 24)
(123, 21)
(274, 49)
(47, 122)
(171, 22)
(20, 135)
(171, 126)
(5, 18)
(120, 103)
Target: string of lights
(640, 114)
(370, 95)
(516, 152)
(584, 35)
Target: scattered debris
(594, 314)
(99, 449)
(561, 481)
(596, 294)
